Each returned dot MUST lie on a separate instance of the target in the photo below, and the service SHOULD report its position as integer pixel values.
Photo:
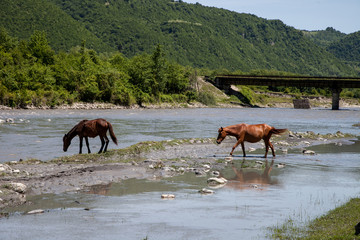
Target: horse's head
(221, 136)
(67, 142)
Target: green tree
(39, 48)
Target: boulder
(18, 187)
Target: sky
(343, 15)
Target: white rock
(206, 191)
(216, 180)
(228, 159)
(310, 152)
(37, 211)
(252, 149)
(280, 165)
(168, 196)
(10, 120)
(206, 166)
(18, 187)
(16, 171)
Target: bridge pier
(336, 98)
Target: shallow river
(307, 187)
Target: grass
(336, 224)
(129, 154)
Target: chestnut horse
(249, 133)
(90, 128)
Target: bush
(206, 98)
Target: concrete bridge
(336, 84)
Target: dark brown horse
(90, 128)
(249, 133)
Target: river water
(38, 133)
(245, 208)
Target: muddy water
(38, 133)
(244, 208)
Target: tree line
(32, 73)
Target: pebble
(228, 159)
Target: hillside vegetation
(191, 34)
(325, 37)
(32, 74)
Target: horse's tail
(112, 134)
(277, 131)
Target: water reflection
(251, 178)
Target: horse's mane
(72, 133)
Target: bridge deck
(334, 83)
(289, 81)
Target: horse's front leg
(237, 144)
(102, 144)
(87, 144)
(272, 148)
(243, 149)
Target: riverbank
(146, 160)
(273, 100)
(336, 224)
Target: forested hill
(347, 48)
(191, 34)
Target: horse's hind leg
(267, 145)
(87, 144)
(102, 144)
(272, 149)
(106, 143)
(81, 143)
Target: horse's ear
(221, 129)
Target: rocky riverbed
(146, 160)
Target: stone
(206, 191)
(228, 159)
(310, 152)
(167, 196)
(280, 165)
(37, 211)
(252, 149)
(18, 187)
(10, 120)
(216, 181)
